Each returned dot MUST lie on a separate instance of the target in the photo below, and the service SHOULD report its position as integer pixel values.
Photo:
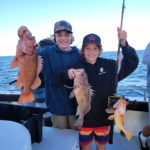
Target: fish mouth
(31, 38)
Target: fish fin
(111, 117)
(118, 129)
(14, 63)
(116, 104)
(26, 97)
(39, 65)
(91, 93)
(19, 83)
(36, 83)
(71, 94)
(123, 117)
(79, 122)
(128, 135)
(78, 111)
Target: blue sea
(132, 87)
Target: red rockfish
(119, 117)
(29, 64)
(83, 93)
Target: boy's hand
(122, 36)
(71, 73)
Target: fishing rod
(119, 66)
(121, 24)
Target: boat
(136, 119)
(67, 139)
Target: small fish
(83, 93)
(119, 117)
(29, 64)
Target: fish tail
(128, 135)
(26, 97)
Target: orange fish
(119, 117)
(29, 64)
(83, 93)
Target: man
(143, 135)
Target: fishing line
(10, 83)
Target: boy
(103, 77)
(58, 57)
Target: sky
(101, 17)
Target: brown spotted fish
(83, 94)
(29, 64)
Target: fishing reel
(113, 99)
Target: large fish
(29, 64)
(119, 117)
(83, 93)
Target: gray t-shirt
(146, 56)
(146, 61)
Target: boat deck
(65, 139)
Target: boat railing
(145, 94)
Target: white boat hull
(65, 139)
(135, 121)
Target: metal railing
(135, 91)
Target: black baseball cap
(91, 38)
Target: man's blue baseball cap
(62, 25)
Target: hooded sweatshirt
(57, 97)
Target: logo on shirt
(101, 71)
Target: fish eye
(82, 74)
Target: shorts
(100, 135)
(63, 122)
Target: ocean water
(132, 87)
